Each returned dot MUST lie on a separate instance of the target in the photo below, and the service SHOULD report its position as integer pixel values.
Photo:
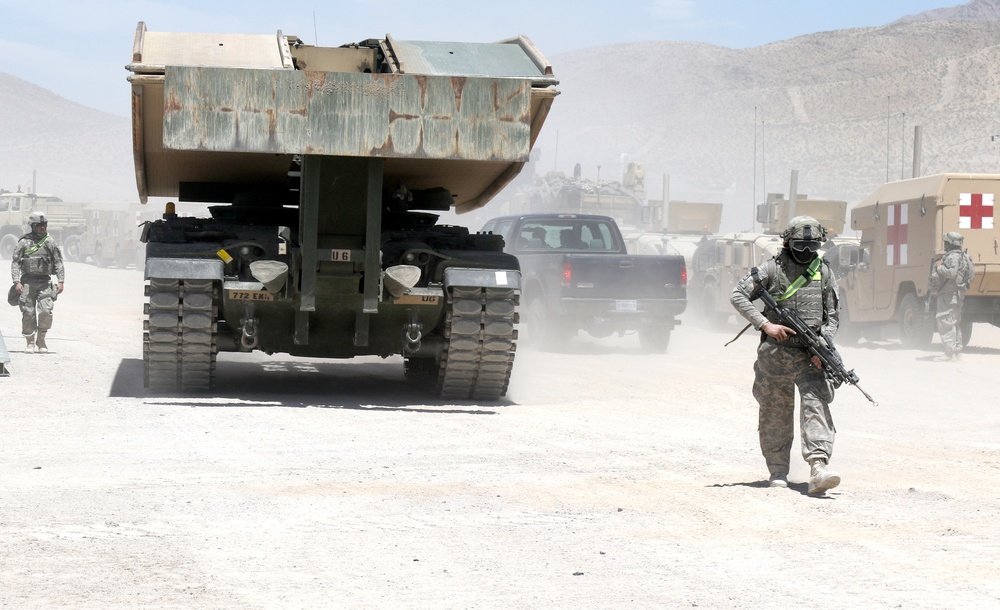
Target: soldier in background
(35, 260)
(950, 278)
(801, 280)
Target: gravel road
(605, 479)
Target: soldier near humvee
(35, 260)
(951, 275)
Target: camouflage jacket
(34, 256)
(952, 273)
(742, 297)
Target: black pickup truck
(576, 275)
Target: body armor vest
(36, 259)
(807, 300)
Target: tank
(322, 167)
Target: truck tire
(850, 332)
(915, 328)
(7, 245)
(712, 318)
(71, 249)
(966, 327)
(179, 345)
(655, 338)
(544, 330)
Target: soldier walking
(799, 279)
(950, 278)
(35, 260)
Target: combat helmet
(803, 238)
(37, 218)
(953, 240)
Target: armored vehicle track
(179, 345)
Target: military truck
(689, 223)
(320, 164)
(112, 236)
(66, 220)
(902, 223)
(721, 260)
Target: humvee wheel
(7, 245)
(966, 328)
(915, 329)
(71, 249)
(479, 344)
(179, 345)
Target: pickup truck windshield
(566, 234)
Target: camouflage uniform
(35, 259)
(950, 278)
(783, 366)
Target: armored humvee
(320, 164)
(721, 260)
(112, 235)
(902, 225)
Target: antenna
(753, 194)
(887, 98)
(315, 31)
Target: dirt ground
(606, 479)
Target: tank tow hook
(248, 335)
(412, 334)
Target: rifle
(817, 345)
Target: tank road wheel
(7, 245)
(479, 343)
(915, 328)
(179, 345)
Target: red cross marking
(896, 234)
(975, 211)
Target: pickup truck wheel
(654, 339)
(915, 327)
(544, 331)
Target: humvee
(721, 260)
(902, 223)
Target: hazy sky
(78, 48)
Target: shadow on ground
(369, 386)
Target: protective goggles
(802, 245)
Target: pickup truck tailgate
(615, 276)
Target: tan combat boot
(40, 346)
(30, 340)
(821, 479)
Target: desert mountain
(69, 150)
(839, 107)
(726, 125)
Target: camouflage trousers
(777, 372)
(949, 318)
(36, 303)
